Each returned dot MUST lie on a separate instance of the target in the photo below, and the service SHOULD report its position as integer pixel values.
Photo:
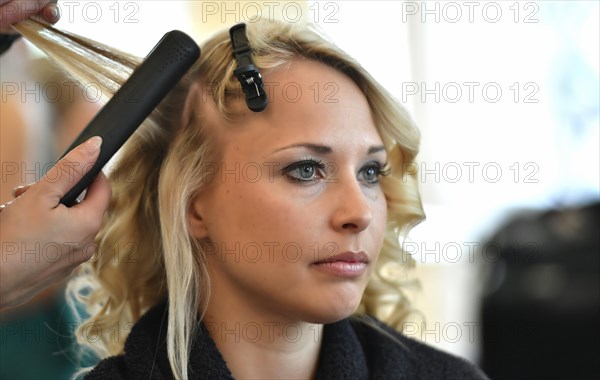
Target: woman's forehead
(309, 102)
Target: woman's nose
(352, 209)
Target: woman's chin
(332, 310)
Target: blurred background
(507, 96)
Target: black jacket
(351, 349)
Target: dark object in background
(541, 317)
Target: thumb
(14, 11)
(69, 170)
(51, 13)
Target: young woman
(254, 244)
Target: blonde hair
(145, 254)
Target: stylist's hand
(13, 11)
(42, 241)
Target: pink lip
(346, 264)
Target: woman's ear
(196, 223)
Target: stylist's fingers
(88, 214)
(68, 171)
(95, 203)
(51, 13)
(16, 192)
(14, 11)
(20, 190)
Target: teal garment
(37, 341)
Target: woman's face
(295, 216)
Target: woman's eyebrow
(376, 149)
(325, 149)
(316, 148)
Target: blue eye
(372, 172)
(305, 171)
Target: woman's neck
(257, 345)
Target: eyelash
(382, 169)
(311, 162)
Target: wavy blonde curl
(145, 254)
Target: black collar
(341, 354)
(351, 349)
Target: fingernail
(52, 13)
(93, 144)
(14, 191)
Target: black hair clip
(246, 72)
